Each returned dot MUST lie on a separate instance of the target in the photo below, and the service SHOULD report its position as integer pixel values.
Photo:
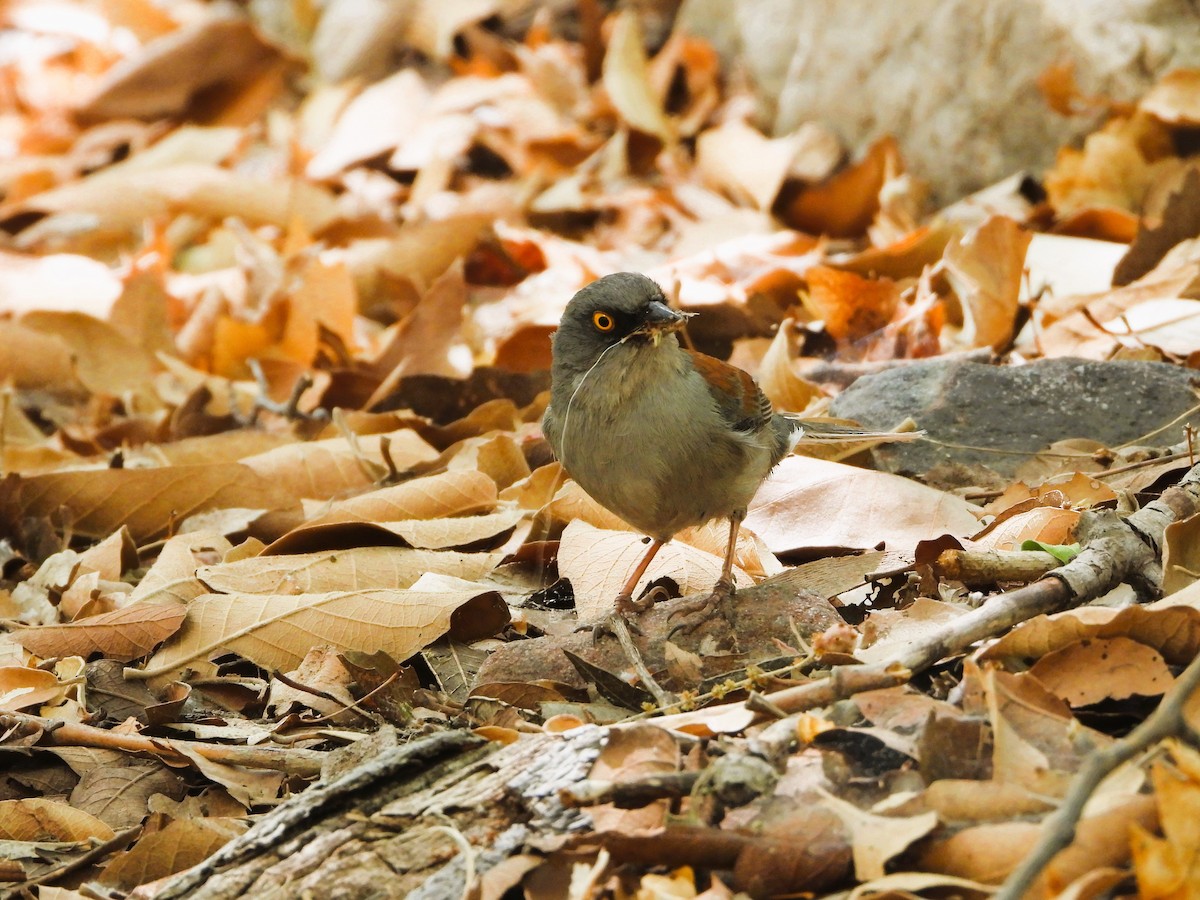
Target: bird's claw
(698, 612)
(625, 609)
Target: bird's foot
(696, 613)
(626, 609)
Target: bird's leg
(625, 603)
(619, 625)
(718, 600)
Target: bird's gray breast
(644, 438)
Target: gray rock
(954, 80)
(1015, 408)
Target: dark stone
(1015, 408)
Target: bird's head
(623, 308)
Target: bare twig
(620, 629)
(290, 409)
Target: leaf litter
(273, 352)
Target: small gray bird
(663, 436)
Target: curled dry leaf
(777, 375)
(985, 269)
(627, 79)
(22, 688)
(1171, 626)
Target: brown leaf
(844, 204)
(35, 819)
(1103, 669)
(344, 570)
(119, 795)
(123, 634)
(597, 563)
(985, 269)
(95, 503)
(171, 70)
(276, 631)
(181, 844)
(627, 81)
(22, 687)
(1175, 99)
(851, 306)
(320, 470)
(812, 503)
(432, 497)
(1180, 220)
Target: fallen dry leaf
(276, 631)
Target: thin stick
(620, 628)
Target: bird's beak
(660, 320)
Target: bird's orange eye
(603, 321)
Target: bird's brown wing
(737, 395)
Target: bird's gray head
(623, 307)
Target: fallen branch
(1114, 550)
(294, 761)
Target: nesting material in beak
(661, 320)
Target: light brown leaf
(343, 570)
(169, 71)
(1103, 669)
(376, 121)
(784, 387)
(124, 634)
(627, 79)
(320, 470)
(94, 503)
(431, 497)
(35, 819)
(985, 268)
(597, 563)
(813, 503)
(22, 687)
(59, 282)
(125, 202)
(173, 574)
(182, 843)
(1175, 99)
(276, 631)
(440, 534)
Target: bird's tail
(840, 431)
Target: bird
(662, 435)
